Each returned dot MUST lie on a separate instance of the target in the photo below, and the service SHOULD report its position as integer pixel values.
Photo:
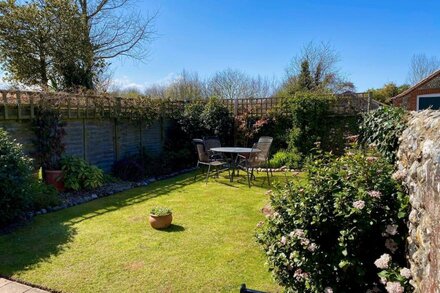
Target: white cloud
(125, 82)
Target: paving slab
(4, 282)
(8, 286)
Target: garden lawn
(107, 245)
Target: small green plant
(43, 195)
(160, 211)
(79, 174)
(289, 159)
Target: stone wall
(99, 141)
(419, 162)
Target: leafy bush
(43, 196)
(129, 169)
(79, 174)
(383, 128)
(15, 179)
(201, 118)
(160, 211)
(308, 113)
(290, 159)
(328, 234)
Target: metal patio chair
(213, 142)
(257, 159)
(205, 159)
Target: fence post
(17, 95)
(5, 104)
(84, 139)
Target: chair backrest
(211, 142)
(262, 155)
(265, 139)
(202, 155)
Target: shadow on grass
(49, 235)
(174, 228)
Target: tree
(385, 93)
(67, 44)
(322, 74)
(186, 86)
(111, 31)
(235, 84)
(421, 66)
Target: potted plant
(160, 217)
(49, 132)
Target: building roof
(419, 84)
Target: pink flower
(394, 287)
(299, 233)
(371, 159)
(328, 290)
(312, 247)
(298, 274)
(269, 192)
(359, 204)
(305, 242)
(375, 193)
(391, 245)
(405, 272)
(391, 229)
(283, 240)
(383, 261)
(260, 224)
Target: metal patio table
(234, 152)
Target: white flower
(405, 272)
(391, 245)
(375, 193)
(394, 287)
(328, 290)
(391, 229)
(383, 261)
(269, 192)
(359, 204)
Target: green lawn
(107, 245)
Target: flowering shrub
(330, 233)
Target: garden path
(8, 286)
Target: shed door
(432, 101)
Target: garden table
(234, 151)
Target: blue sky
(375, 39)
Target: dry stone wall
(419, 163)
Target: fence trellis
(20, 105)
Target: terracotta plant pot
(160, 222)
(54, 178)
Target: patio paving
(8, 286)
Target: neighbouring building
(423, 95)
